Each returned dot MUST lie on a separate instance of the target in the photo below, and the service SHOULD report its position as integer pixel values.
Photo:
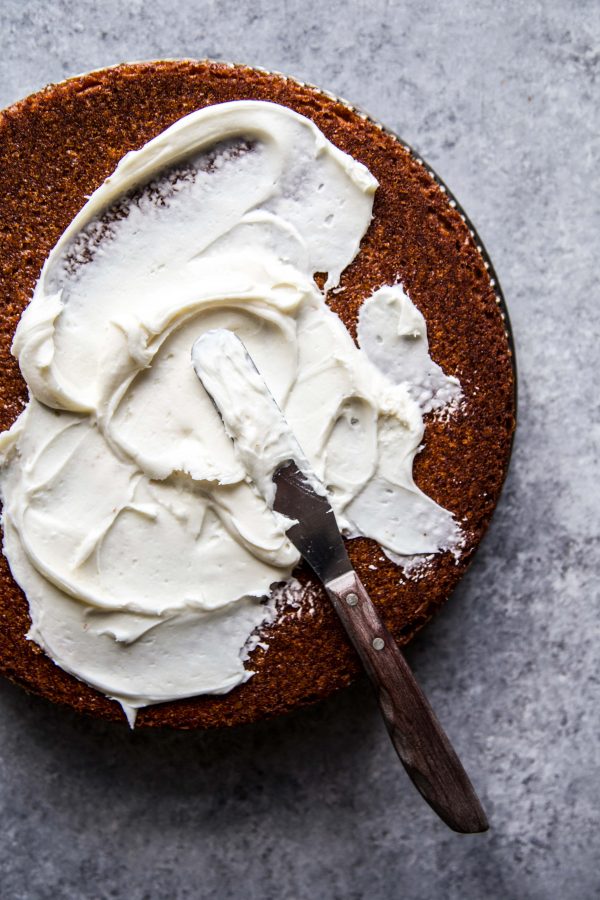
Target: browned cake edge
(58, 145)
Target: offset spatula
(225, 368)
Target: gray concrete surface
(499, 97)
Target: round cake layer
(57, 146)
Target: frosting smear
(145, 548)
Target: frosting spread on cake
(144, 547)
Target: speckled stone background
(502, 99)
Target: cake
(58, 146)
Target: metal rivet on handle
(351, 599)
(378, 643)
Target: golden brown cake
(57, 146)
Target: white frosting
(131, 521)
(394, 334)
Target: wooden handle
(420, 742)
